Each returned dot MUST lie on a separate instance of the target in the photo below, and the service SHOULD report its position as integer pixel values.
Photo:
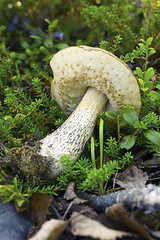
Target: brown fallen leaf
(40, 203)
(50, 230)
(84, 226)
(131, 178)
(71, 195)
(121, 217)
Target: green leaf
(47, 20)
(15, 183)
(20, 202)
(151, 52)
(142, 40)
(141, 81)
(153, 136)
(139, 72)
(22, 56)
(142, 46)
(25, 45)
(123, 123)
(155, 95)
(8, 121)
(148, 74)
(148, 86)
(130, 116)
(52, 25)
(60, 46)
(144, 89)
(18, 117)
(149, 41)
(128, 142)
(110, 114)
(128, 107)
(36, 37)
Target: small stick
(146, 199)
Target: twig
(146, 199)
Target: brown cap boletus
(94, 78)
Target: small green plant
(111, 18)
(145, 126)
(76, 172)
(15, 191)
(94, 176)
(21, 118)
(20, 191)
(114, 47)
(98, 178)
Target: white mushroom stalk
(73, 134)
(94, 78)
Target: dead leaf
(119, 215)
(156, 234)
(84, 226)
(71, 195)
(50, 230)
(40, 203)
(131, 178)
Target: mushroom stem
(71, 137)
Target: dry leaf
(50, 230)
(84, 226)
(71, 195)
(156, 234)
(119, 215)
(40, 203)
(131, 178)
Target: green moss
(32, 166)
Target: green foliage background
(32, 31)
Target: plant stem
(101, 140)
(118, 129)
(146, 60)
(93, 152)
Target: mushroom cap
(77, 68)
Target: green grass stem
(101, 140)
(93, 152)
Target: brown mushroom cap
(77, 68)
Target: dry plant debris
(50, 230)
(132, 177)
(40, 203)
(119, 215)
(84, 226)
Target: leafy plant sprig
(76, 172)
(147, 84)
(98, 178)
(143, 51)
(146, 126)
(20, 192)
(15, 191)
(111, 48)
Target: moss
(32, 166)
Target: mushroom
(94, 78)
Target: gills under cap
(77, 68)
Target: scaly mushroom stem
(41, 162)
(73, 134)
